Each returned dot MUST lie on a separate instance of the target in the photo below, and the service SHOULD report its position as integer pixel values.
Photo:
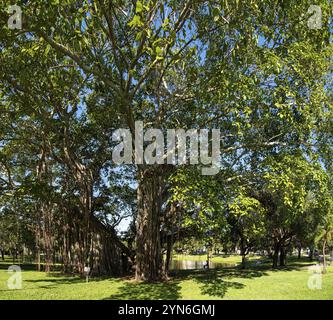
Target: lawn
(227, 259)
(257, 282)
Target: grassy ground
(257, 282)
(227, 259)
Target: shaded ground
(259, 281)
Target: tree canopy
(78, 70)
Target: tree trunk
(148, 246)
(311, 254)
(85, 180)
(44, 176)
(299, 252)
(269, 253)
(282, 256)
(208, 258)
(168, 253)
(243, 250)
(276, 255)
(38, 246)
(324, 257)
(243, 261)
(14, 255)
(47, 235)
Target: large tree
(254, 69)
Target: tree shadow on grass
(23, 266)
(58, 279)
(215, 282)
(226, 273)
(293, 267)
(169, 290)
(49, 283)
(248, 273)
(216, 286)
(55, 281)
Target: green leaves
(159, 53)
(243, 205)
(138, 19)
(216, 12)
(47, 49)
(139, 7)
(136, 22)
(249, 68)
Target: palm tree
(326, 235)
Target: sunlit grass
(232, 259)
(258, 282)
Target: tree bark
(311, 254)
(243, 261)
(168, 253)
(324, 257)
(243, 251)
(276, 255)
(47, 235)
(37, 235)
(208, 258)
(85, 181)
(44, 176)
(148, 242)
(282, 256)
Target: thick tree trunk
(44, 176)
(243, 261)
(3, 255)
(299, 252)
(14, 255)
(168, 253)
(282, 256)
(148, 246)
(47, 235)
(276, 255)
(37, 235)
(243, 249)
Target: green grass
(258, 282)
(227, 259)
